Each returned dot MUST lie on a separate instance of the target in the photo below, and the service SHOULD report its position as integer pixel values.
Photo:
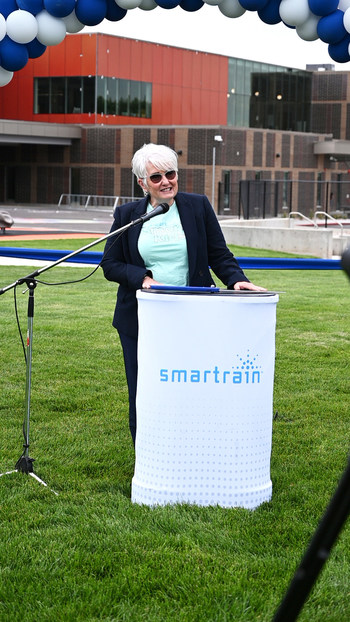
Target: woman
(174, 248)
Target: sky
(209, 30)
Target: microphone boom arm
(39, 271)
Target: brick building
(248, 134)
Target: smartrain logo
(244, 370)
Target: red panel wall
(189, 88)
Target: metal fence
(250, 199)
(92, 201)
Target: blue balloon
(59, 8)
(330, 28)
(114, 12)
(253, 5)
(32, 6)
(168, 4)
(270, 13)
(13, 56)
(323, 7)
(191, 5)
(91, 12)
(7, 6)
(35, 48)
(339, 52)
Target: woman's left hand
(248, 285)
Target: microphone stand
(25, 464)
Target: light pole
(218, 138)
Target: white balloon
(294, 12)
(148, 5)
(128, 4)
(21, 26)
(346, 20)
(5, 76)
(343, 5)
(2, 26)
(231, 8)
(72, 23)
(51, 30)
(308, 30)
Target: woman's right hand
(148, 281)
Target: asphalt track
(35, 223)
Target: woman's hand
(250, 286)
(148, 281)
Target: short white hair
(162, 157)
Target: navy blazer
(206, 247)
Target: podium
(204, 397)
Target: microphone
(345, 261)
(160, 209)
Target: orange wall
(189, 88)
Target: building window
(262, 95)
(107, 96)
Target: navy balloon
(191, 5)
(35, 48)
(168, 4)
(32, 6)
(59, 8)
(323, 7)
(339, 52)
(270, 13)
(91, 12)
(14, 56)
(7, 7)
(330, 28)
(114, 12)
(253, 5)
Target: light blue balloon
(13, 56)
(330, 28)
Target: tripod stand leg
(42, 482)
(25, 463)
(317, 553)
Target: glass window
(89, 94)
(146, 100)
(134, 98)
(58, 95)
(74, 93)
(111, 96)
(123, 97)
(268, 96)
(101, 95)
(41, 95)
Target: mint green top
(162, 246)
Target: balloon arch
(27, 27)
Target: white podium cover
(204, 399)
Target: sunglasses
(156, 178)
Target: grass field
(89, 554)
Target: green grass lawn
(89, 554)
